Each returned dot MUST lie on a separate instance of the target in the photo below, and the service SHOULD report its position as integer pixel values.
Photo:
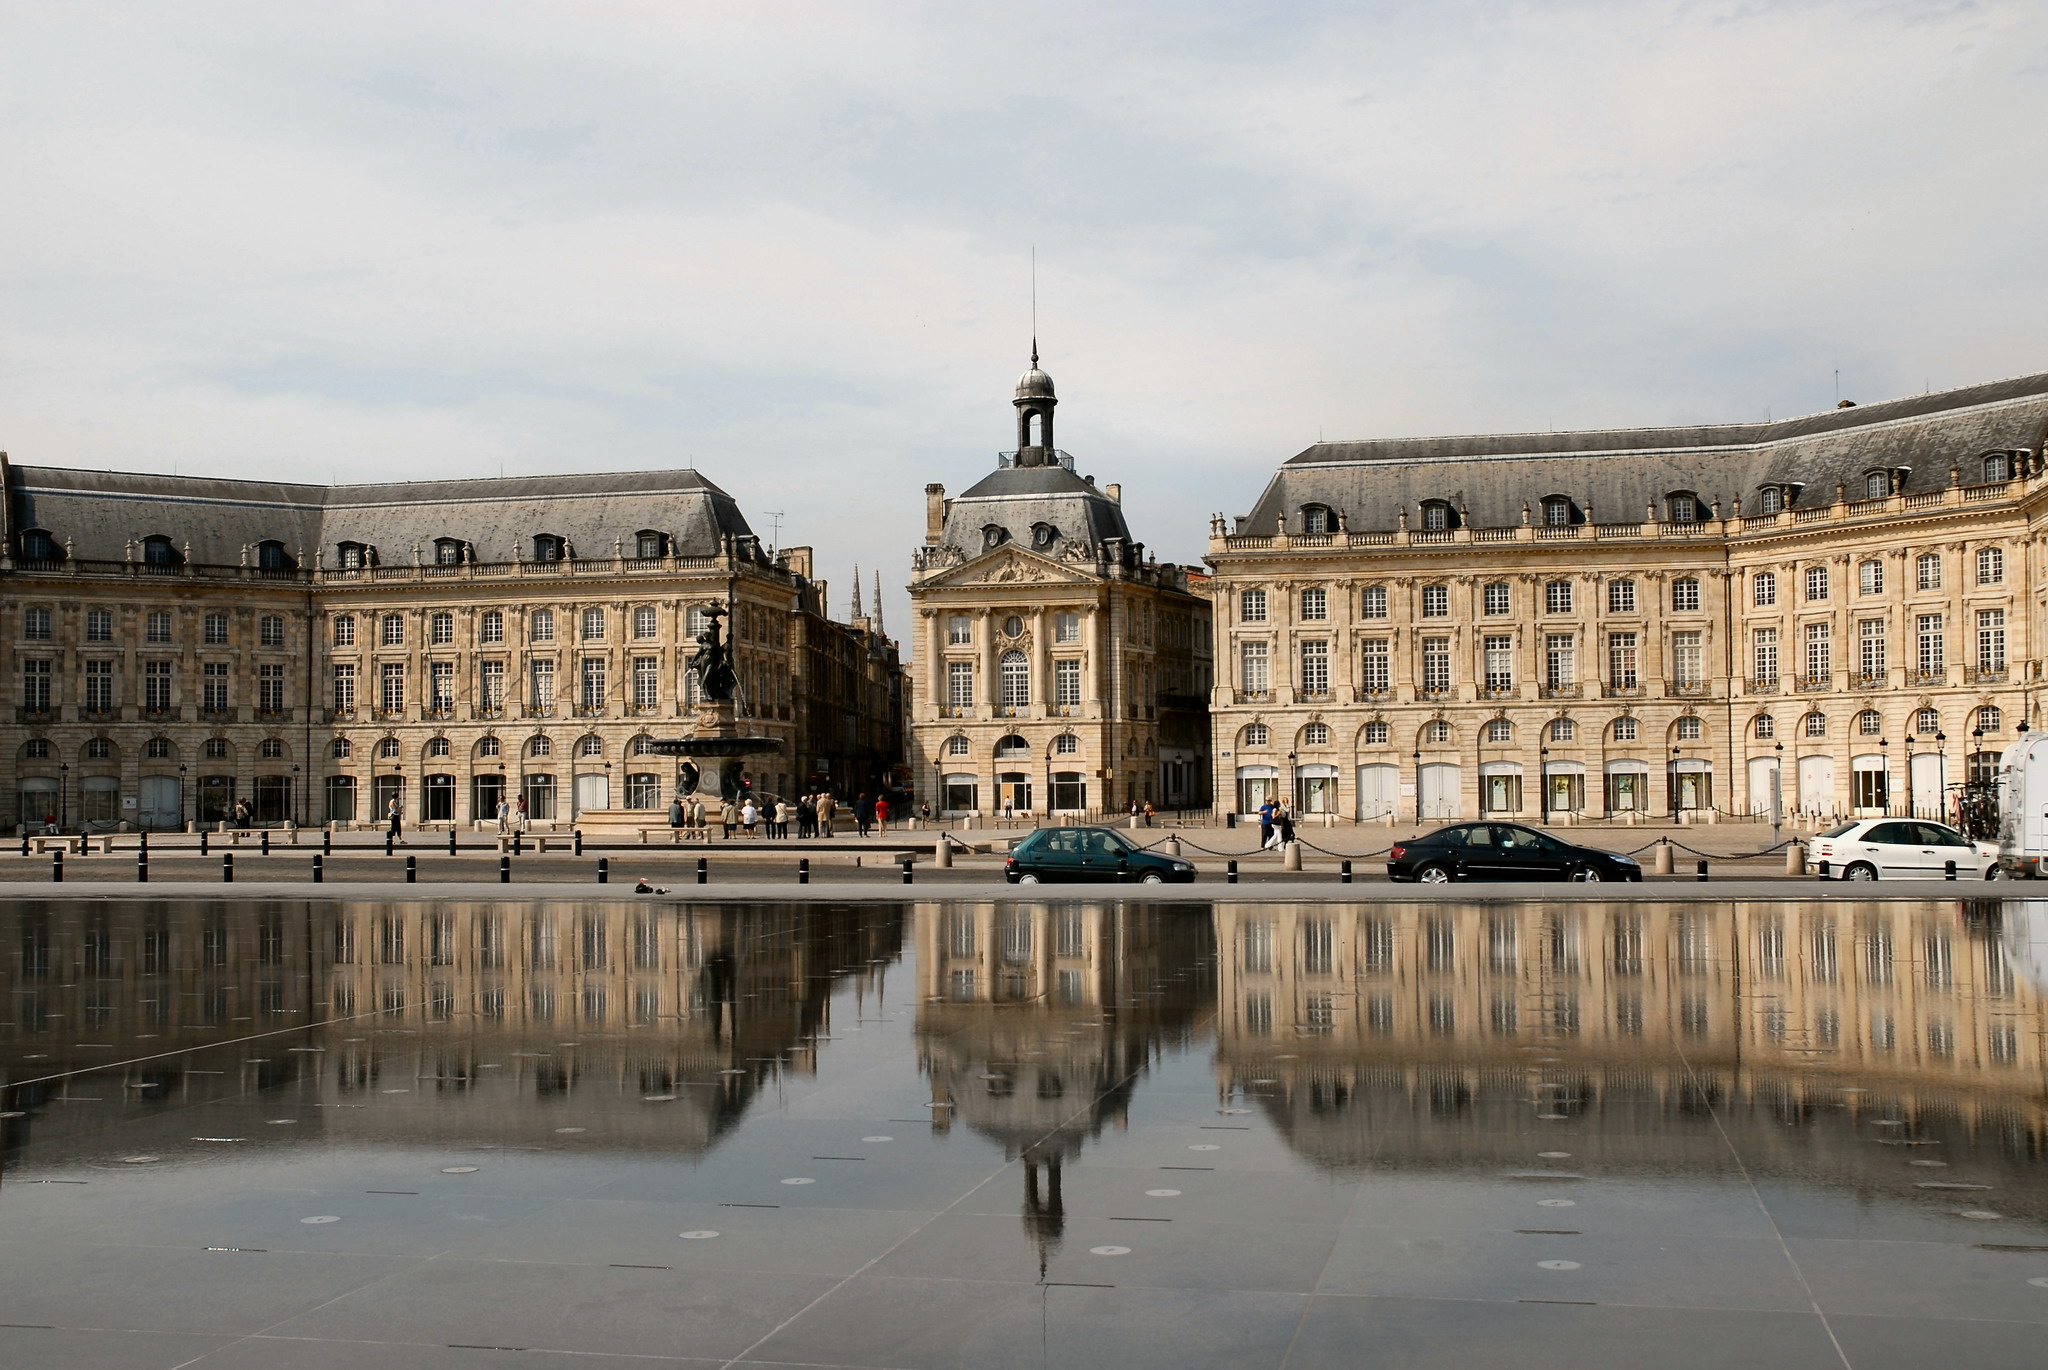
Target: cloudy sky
(789, 244)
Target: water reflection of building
(1037, 1021)
(512, 1011)
(1467, 1020)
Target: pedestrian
(807, 816)
(881, 813)
(864, 814)
(924, 811)
(519, 814)
(729, 818)
(749, 815)
(1149, 815)
(1266, 836)
(675, 812)
(394, 816)
(504, 816)
(1285, 818)
(697, 814)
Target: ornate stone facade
(1437, 628)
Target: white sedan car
(1899, 849)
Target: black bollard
(327, 841)
(1230, 872)
(142, 866)
(703, 871)
(24, 843)
(227, 868)
(264, 842)
(143, 845)
(1948, 870)
(579, 841)
(1344, 873)
(387, 841)
(1703, 869)
(319, 869)
(518, 844)
(504, 870)
(412, 870)
(803, 870)
(906, 870)
(451, 840)
(202, 842)
(604, 870)
(57, 866)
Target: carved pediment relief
(1010, 565)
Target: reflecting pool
(1066, 1133)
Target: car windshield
(1838, 830)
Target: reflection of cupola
(1035, 401)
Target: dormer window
(354, 556)
(38, 545)
(158, 550)
(447, 551)
(547, 547)
(648, 543)
(1682, 506)
(1770, 499)
(993, 536)
(272, 556)
(1043, 536)
(1877, 484)
(1316, 519)
(1997, 466)
(1558, 511)
(1438, 516)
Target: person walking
(519, 814)
(807, 816)
(828, 813)
(1266, 836)
(395, 817)
(1149, 813)
(675, 812)
(504, 815)
(881, 814)
(1285, 819)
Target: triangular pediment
(1009, 565)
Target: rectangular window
(490, 629)
(1764, 648)
(1928, 571)
(99, 687)
(1251, 606)
(214, 630)
(643, 622)
(270, 689)
(1436, 663)
(1870, 649)
(213, 681)
(270, 631)
(542, 628)
(591, 689)
(959, 630)
(35, 686)
(1066, 627)
(391, 630)
(960, 684)
(1372, 602)
(391, 687)
(99, 625)
(1378, 674)
(1560, 661)
(1315, 669)
(646, 682)
(1990, 566)
(542, 673)
(1066, 683)
(1436, 601)
(35, 625)
(1621, 660)
(1315, 605)
(441, 630)
(490, 686)
(156, 686)
(345, 631)
(1557, 597)
(159, 627)
(1820, 651)
(1991, 639)
(1685, 595)
(1496, 598)
(441, 685)
(1931, 645)
(1253, 657)
(1621, 596)
(344, 687)
(1500, 662)
(1816, 583)
(1688, 659)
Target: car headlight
(1182, 866)
(1628, 861)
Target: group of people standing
(1276, 824)
(813, 815)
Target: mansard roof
(1018, 498)
(1614, 473)
(101, 512)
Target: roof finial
(1034, 306)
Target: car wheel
(1862, 870)
(1433, 874)
(1027, 878)
(1995, 873)
(1152, 878)
(1586, 875)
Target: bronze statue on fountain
(717, 744)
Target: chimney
(1115, 493)
(934, 513)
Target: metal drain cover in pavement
(799, 1179)
(703, 1236)
(1162, 1193)
(323, 1218)
(1109, 1250)
(1559, 1265)
(459, 1169)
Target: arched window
(341, 750)
(539, 746)
(487, 746)
(270, 748)
(542, 628)
(1989, 718)
(1255, 735)
(547, 547)
(1012, 746)
(1066, 744)
(387, 747)
(1436, 731)
(215, 749)
(1869, 723)
(1870, 577)
(1014, 672)
(1765, 726)
(1876, 484)
(1770, 499)
(591, 745)
(593, 625)
(1558, 511)
(1376, 734)
(1764, 587)
(437, 746)
(1816, 582)
(1438, 516)
(447, 551)
(1689, 729)
(1927, 721)
(101, 748)
(158, 550)
(391, 630)
(352, 556)
(1315, 519)
(1816, 725)
(1043, 536)
(1563, 730)
(1997, 466)
(272, 558)
(1316, 735)
(956, 745)
(159, 748)
(441, 630)
(1682, 506)
(649, 543)
(38, 545)
(1624, 729)
(1500, 730)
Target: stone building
(1061, 670)
(180, 643)
(850, 686)
(1605, 624)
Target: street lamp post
(1911, 810)
(63, 795)
(1941, 776)
(1543, 784)
(1883, 750)
(181, 796)
(1778, 797)
(1418, 787)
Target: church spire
(878, 603)
(856, 593)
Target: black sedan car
(1502, 851)
(1090, 854)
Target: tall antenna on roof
(774, 529)
(1034, 305)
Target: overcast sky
(789, 244)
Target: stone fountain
(717, 750)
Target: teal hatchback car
(1091, 854)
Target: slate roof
(1016, 498)
(101, 511)
(1614, 473)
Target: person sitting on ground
(644, 888)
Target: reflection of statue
(712, 664)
